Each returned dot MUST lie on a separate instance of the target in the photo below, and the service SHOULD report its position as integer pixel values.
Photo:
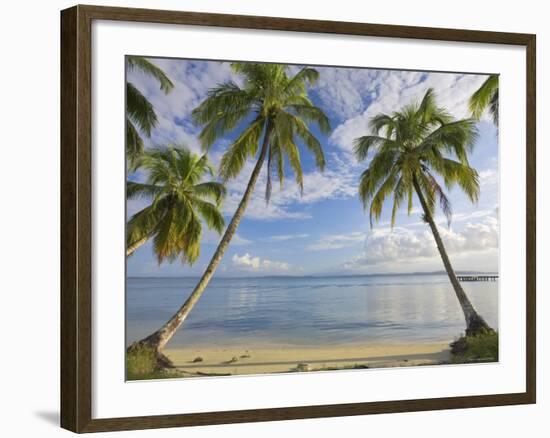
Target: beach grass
(141, 364)
(479, 348)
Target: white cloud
(345, 91)
(213, 238)
(191, 82)
(488, 177)
(337, 182)
(337, 241)
(285, 237)
(391, 90)
(256, 264)
(401, 245)
(350, 93)
(441, 220)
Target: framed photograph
(268, 218)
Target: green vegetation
(141, 364)
(180, 199)
(480, 348)
(140, 114)
(485, 97)
(410, 152)
(409, 149)
(278, 113)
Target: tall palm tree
(140, 114)
(276, 111)
(486, 96)
(410, 148)
(179, 200)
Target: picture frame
(77, 167)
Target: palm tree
(276, 111)
(486, 96)
(410, 148)
(140, 114)
(179, 200)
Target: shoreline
(242, 360)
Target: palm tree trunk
(134, 246)
(158, 339)
(475, 324)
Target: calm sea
(306, 310)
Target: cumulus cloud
(256, 264)
(401, 245)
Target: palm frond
(381, 122)
(380, 167)
(210, 190)
(150, 69)
(456, 137)
(310, 141)
(399, 193)
(268, 97)
(311, 114)
(144, 222)
(485, 95)
(210, 214)
(179, 198)
(140, 110)
(223, 109)
(298, 83)
(245, 145)
(134, 144)
(438, 193)
(407, 146)
(383, 191)
(363, 145)
(493, 107)
(136, 190)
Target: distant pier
(477, 277)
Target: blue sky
(326, 231)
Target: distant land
(401, 274)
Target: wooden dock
(477, 277)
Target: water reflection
(308, 310)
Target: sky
(325, 231)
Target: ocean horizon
(310, 310)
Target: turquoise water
(307, 310)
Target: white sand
(281, 358)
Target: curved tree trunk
(134, 246)
(158, 339)
(475, 324)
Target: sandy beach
(197, 361)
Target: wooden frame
(76, 168)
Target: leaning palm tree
(410, 148)
(276, 111)
(486, 96)
(140, 114)
(180, 198)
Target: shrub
(141, 364)
(479, 348)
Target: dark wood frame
(76, 226)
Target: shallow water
(308, 310)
